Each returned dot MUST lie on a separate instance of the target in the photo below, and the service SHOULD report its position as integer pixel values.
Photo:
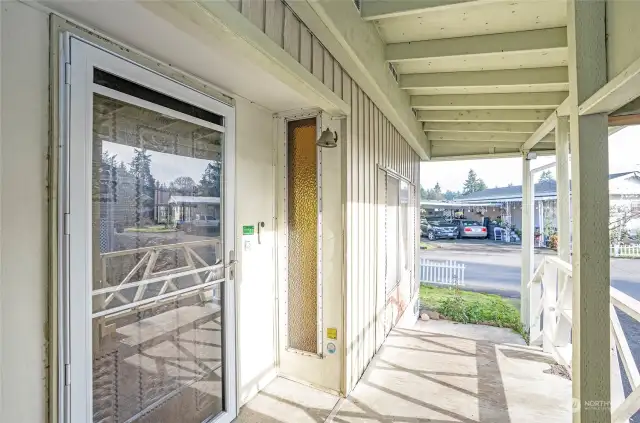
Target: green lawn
(427, 246)
(471, 307)
(150, 229)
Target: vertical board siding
(317, 59)
(372, 142)
(254, 10)
(328, 70)
(306, 45)
(274, 21)
(291, 34)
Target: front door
(148, 321)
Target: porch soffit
(485, 76)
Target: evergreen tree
(546, 176)
(473, 183)
(211, 180)
(140, 169)
(437, 190)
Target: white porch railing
(165, 280)
(442, 272)
(551, 292)
(625, 251)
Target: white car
(471, 229)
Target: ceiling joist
(483, 137)
(485, 82)
(511, 101)
(477, 145)
(493, 44)
(506, 127)
(385, 9)
(483, 115)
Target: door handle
(260, 225)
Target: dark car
(437, 229)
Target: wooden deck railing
(551, 291)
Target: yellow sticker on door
(332, 333)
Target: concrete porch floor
(437, 372)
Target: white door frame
(80, 57)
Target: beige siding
(372, 142)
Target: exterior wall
(256, 282)
(277, 20)
(24, 276)
(369, 141)
(23, 244)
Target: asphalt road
(498, 270)
(495, 268)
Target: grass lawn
(427, 246)
(151, 229)
(471, 307)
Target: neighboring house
(624, 195)
(186, 207)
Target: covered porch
(434, 371)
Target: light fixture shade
(328, 139)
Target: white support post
(563, 188)
(563, 334)
(527, 242)
(590, 208)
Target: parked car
(437, 229)
(201, 223)
(471, 229)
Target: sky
(624, 155)
(165, 167)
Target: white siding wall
(23, 223)
(256, 288)
(371, 141)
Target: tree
(546, 176)
(437, 190)
(184, 185)
(473, 183)
(451, 195)
(140, 169)
(434, 194)
(210, 181)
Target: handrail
(551, 289)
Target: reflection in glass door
(159, 334)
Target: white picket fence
(442, 272)
(625, 251)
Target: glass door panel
(158, 273)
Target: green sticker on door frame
(248, 230)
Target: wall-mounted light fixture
(328, 139)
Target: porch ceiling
(483, 75)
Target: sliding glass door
(148, 314)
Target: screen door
(148, 321)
